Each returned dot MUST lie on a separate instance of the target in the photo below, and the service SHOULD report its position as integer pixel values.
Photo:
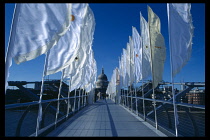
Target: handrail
(171, 102)
(11, 106)
(166, 118)
(27, 106)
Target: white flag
(137, 44)
(92, 76)
(84, 51)
(88, 69)
(76, 79)
(125, 73)
(63, 54)
(146, 55)
(121, 69)
(86, 38)
(158, 49)
(35, 29)
(130, 61)
(180, 34)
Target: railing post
(136, 103)
(131, 100)
(74, 99)
(127, 105)
(82, 98)
(154, 104)
(79, 100)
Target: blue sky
(114, 23)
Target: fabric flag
(132, 69)
(180, 34)
(130, 61)
(146, 51)
(88, 68)
(180, 39)
(82, 55)
(111, 89)
(83, 71)
(121, 68)
(93, 76)
(35, 29)
(157, 45)
(63, 53)
(125, 73)
(137, 44)
(86, 38)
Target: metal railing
(21, 118)
(191, 117)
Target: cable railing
(191, 117)
(21, 118)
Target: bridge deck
(105, 119)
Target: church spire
(102, 72)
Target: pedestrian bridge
(131, 115)
(105, 119)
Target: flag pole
(8, 60)
(143, 99)
(59, 93)
(130, 76)
(152, 70)
(135, 85)
(75, 92)
(142, 79)
(83, 89)
(67, 114)
(39, 117)
(78, 104)
(172, 79)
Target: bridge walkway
(104, 118)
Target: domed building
(101, 86)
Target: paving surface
(104, 118)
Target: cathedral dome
(102, 81)
(102, 76)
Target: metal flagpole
(124, 97)
(79, 99)
(69, 96)
(59, 93)
(172, 80)
(39, 117)
(135, 85)
(143, 100)
(8, 60)
(130, 91)
(136, 101)
(154, 103)
(85, 101)
(142, 80)
(123, 100)
(75, 91)
(175, 108)
(82, 97)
